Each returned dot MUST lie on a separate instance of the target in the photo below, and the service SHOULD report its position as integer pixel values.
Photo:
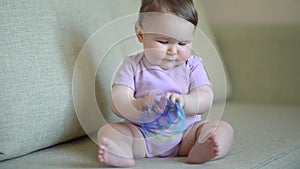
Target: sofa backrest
(39, 45)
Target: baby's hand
(155, 101)
(154, 105)
(175, 97)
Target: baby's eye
(181, 43)
(162, 42)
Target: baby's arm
(124, 105)
(198, 101)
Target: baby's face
(167, 39)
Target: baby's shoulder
(134, 59)
(194, 58)
(132, 62)
(194, 61)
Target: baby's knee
(220, 125)
(102, 129)
(221, 129)
(115, 130)
(107, 129)
(225, 128)
(226, 125)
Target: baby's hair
(182, 8)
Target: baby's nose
(172, 50)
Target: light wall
(259, 41)
(252, 11)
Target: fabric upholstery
(266, 136)
(40, 42)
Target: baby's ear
(139, 32)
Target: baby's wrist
(139, 104)
(182, 100)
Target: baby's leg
(119, 143)
(214, 141)
(210, 140)
(204, 151)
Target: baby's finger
(177, 98)
(180, 100)
(150, 100)
(173, 98)
(167, 95)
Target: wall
(254, 11)
(259, 41)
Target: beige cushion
(39, 45)
(264, 139)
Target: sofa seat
(266, 136)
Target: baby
(166, 68)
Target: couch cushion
(39, 45)
(40, 41)
(266, 136)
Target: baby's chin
(169, 65)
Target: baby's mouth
(171, 59)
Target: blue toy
(165, 124)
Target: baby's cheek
(154, 55)
(185, 56)
(185, 53)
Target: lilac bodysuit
(142, 77)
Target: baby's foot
(114, 154)
(202, 152)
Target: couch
(44, 124)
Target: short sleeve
(198, 75)
(125, 74)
